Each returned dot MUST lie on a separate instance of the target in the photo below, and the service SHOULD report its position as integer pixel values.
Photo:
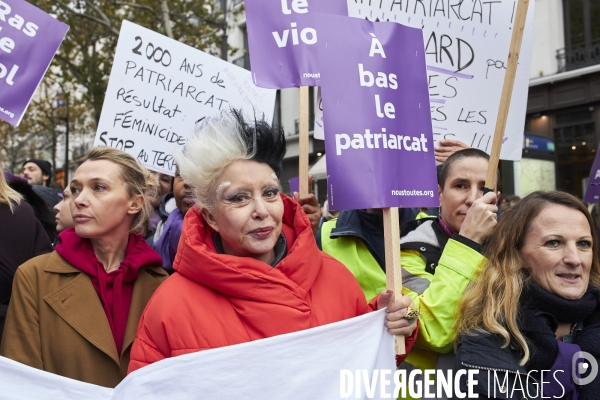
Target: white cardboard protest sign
(466, 45)
(305, 365)
(159, 88)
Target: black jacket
(500, 375)
(21, 238)
(43, 211)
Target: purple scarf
(167, 244)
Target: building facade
(564, 88)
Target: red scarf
(113, 288)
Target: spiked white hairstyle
(217, 142)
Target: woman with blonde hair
(74, 312)
(21, 237)
(535, 304)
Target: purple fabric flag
(378, 133)
(282, 40)
(29, 38)
(592, 193)
(294, 185)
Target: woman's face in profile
(464, 184)
(100, 203)
(558, 251)
(63, 219)
(249, 210)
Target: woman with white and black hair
(247, 265)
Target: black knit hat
(44, 165)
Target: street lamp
(62, 100)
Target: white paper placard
(159, 88)
(467, 44)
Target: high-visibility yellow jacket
(355, 255)
(436, 290)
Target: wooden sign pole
(303, 141)
(393, 268)
(507, 88)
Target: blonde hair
(491, 303)
(8, 195)
(137, 178)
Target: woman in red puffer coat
(247, 266)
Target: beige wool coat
(56, 322)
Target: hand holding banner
(371, 83)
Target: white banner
(319, 363)
(159, 88)
(466, 46)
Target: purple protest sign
(29, 38)
(378, 133)
(282, 40)
(592, 193)
(294, 185)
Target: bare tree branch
(134, 5)
(71, 66)
(166, 18)
(108, 22)
(99, 21)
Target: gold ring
(411, 314)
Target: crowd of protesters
(96, 280)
